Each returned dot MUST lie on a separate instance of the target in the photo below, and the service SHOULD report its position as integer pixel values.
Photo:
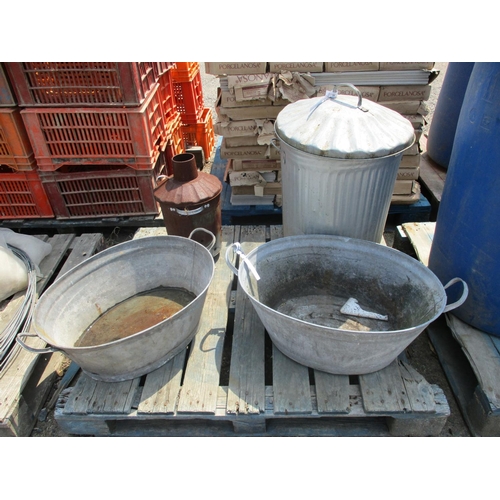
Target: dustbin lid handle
(333, 94)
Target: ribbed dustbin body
(339, 161)
(467, 236)
(445, 118)
(341, 197)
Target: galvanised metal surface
(340, 197)
(78, 298)
(339, 160)
(344, 127)
(318, 274)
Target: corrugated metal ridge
(409, 77)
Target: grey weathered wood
(421, 424)
(60, 245)
(201, 380)
(276, 232)
(384, 391)
(421, 235)
(84, 247)
(292, 391)
(246, 393)
(482, 355)
(113, 397)
(80, 396)
(161, 388)
(332, 392)
(418, 390)
(22, 414)
(496, 342)
(432, 175)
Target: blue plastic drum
(444, 120)
(467, 236)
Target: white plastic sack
(13, 272)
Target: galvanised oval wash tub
(82, 295)
(341, 305)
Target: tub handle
(212, 243)
(462, 299)
(34, 350)
(274, 145)
(236, 248)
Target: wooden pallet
(232, 381)
(27, 381)
(470, 357)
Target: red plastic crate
(15, 146)
(130, 137)
(7, 97)
(201, 133)
(83, 83)
(175, 143)
(109, 191)
(167, 98)
(162, 67)
(22, 195)
(189, 99)
(185, 71)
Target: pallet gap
(226, 350)
(268, 360)
(312, 380)
(186, 359)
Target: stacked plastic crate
(21, 192)
(101, 133)
(197, 120)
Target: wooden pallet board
(231, 381)
(470, 358)
(26, 382)
(96, 224)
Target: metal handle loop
(34, 350)
(186, 211)
(236, 248)
(462, 299)
(358, 92)
(212, 243)
(333, 94)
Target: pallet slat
(201, 380)
(292, 393)
(162, 387)
(384, 391)
(246, 391)
(332, 393)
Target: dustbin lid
(344, 127)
